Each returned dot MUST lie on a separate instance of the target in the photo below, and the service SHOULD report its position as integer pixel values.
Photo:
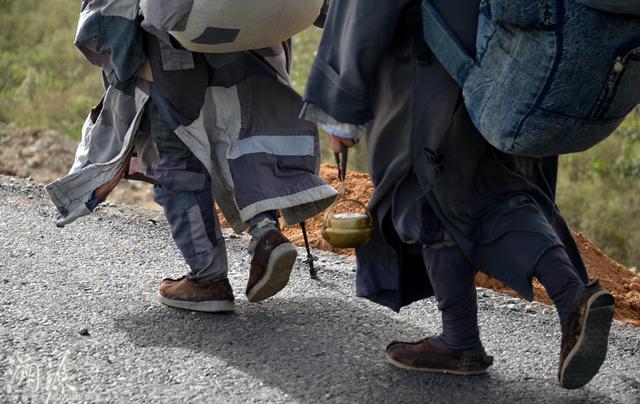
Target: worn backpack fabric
(223, 26)
(549, 76)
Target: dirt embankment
(623, 284)
(46, 155)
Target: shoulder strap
(444, 44)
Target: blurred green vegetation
(599, 192)
(45, 82)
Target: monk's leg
(183, 189)
(458, 349)
(452, 279)
(555, 272)
(273, 257)
(585, 311)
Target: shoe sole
(277, 274)
(588, 354)
(214, 306)
(435, 370)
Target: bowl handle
(336, 203)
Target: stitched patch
(214, 36)
(199, 237)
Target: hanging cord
(310, 257)
(341, 163)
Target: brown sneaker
(424, 357)
(586, 337)
(185, 294)
(271, 266)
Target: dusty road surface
(79, 322)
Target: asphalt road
(79, 322)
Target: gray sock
(260, 225)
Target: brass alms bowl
(347, 230)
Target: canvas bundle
(548, 76)
(223, 26)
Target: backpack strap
(445, 44)
(628, 7)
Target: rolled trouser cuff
(209, 266)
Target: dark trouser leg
(556, 273)
(183, 189)
(452, 278)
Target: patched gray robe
(237, 113)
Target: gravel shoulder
(79, 322)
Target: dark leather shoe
(271, 266)
(424, 357)
(585, 337)
(184, 293)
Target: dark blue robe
(429, 164)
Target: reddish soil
(623, 284)
(46, 155)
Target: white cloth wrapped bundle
(222, 26)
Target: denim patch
(548, 77)
(631, 7)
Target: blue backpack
(549, 76)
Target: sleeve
(313, 113)
(356, 35)
(110, 40)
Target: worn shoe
(271, 266)
(424, 357)
(183, 293)
(585, 337)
